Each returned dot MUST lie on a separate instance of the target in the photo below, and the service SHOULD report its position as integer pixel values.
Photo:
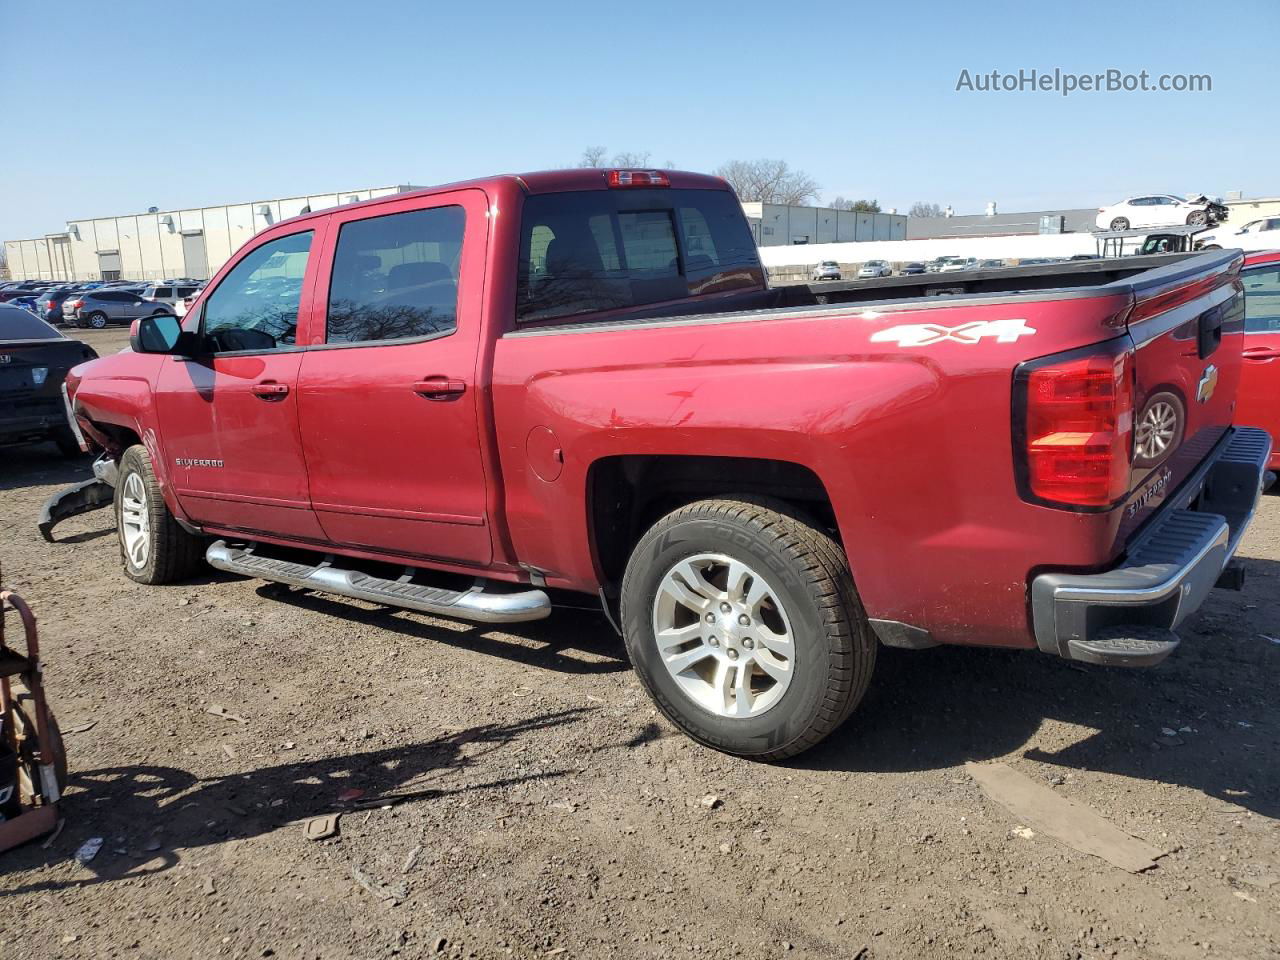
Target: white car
(956, 264)
(1261, 234)
(875, 268)
(1158, 210)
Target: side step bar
(472, 604)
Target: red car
(1260, 379)
(582, 380)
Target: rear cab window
(584, 252)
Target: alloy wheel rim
(723, 635)
(1157, 429)
(135, 521)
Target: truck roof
(541, 181)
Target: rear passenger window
(396, 277)
(1262, 300)
(162, 292)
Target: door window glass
(395, 277)
(255, 307)
(1262, 300)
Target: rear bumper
(1128, 615)
(41, 420)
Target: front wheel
(1198, 218)
(742, 621)
(153, 547)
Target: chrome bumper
(1127, 616)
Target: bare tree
(768, 181)
(4, 264)
(638, 158)
(860, 206)
(599, 157)
(922, 209)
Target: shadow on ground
(181, 810)
(937, 708)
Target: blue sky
(114, 107)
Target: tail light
(638, 178)
(77, 304)
(1073, 432)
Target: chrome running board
(472, 604)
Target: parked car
(990, 264)
(1159, 210)
(21, 289)
(98, 308)
(712, 491)
(48, 306)
(912, 269)
(956, 264)
(874, 268)
(34, 360)
(170, 292)
(1261, 234)
(1259, 403)
(826, 270)
(937, 263)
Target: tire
(169, 553)
(1211, 246)
(97, 320)
(67, 443)
(809, 596)
(1120, 223)
(1198, 217)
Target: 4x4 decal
(923, 334)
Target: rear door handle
(439, 388)
(1262, 353)
(269, 390)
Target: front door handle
(1261, 353)
(269, 390)
(439, 388)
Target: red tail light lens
(1075, 432)
(77, 304)
(638, 178)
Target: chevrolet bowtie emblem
(1208, 384)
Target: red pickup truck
(458, 399)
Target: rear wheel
(742, 621)
(97, 320)
(153, 547)
(1120, 223)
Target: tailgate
(1187, 325)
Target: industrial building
(778, 224)
(192, 242)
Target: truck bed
(1079, 278)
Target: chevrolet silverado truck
(464, 399)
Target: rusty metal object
(34, 740)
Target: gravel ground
(521, 797)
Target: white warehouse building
(778, 224)
(158, 244)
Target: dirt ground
(522, 798)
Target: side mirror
(158, 334)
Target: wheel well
(627, 495)
(119, 439)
